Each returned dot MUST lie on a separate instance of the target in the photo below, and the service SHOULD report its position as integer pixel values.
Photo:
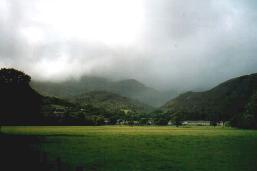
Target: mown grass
(147, 148)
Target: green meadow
(125, 148)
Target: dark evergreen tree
(19, 103)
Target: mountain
(130, 88)
(136, 90)
(111, 102)
(234, 100)
(20, 104)
(70, 88)
(224, 102)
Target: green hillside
(111, 102)
(225, 102)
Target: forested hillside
(111, 102)
(228, 101)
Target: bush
(227, 124)
(214, 123)
(161, 121)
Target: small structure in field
(196, 123)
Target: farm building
(202, 123)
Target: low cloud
(178, 44)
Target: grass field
(124, 148)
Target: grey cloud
(184, 44)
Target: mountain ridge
(225, 102)
(130, 88)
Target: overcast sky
(166, 44)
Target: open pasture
(145, 148)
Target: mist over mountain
(129, 88)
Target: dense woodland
(233, 102)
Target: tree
(13, 77)
(213, 123)
(161, 121)
(177, 119)
(143, 121)
(113, 120)
(19, 102)
(99, 120)
(130, 122)
(214, 119)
